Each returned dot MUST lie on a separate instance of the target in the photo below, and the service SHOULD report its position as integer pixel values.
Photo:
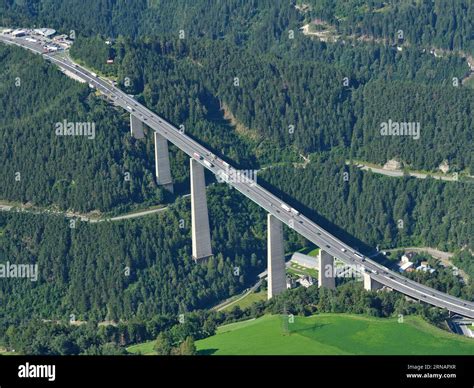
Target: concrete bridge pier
(276, 257)
(162, 163)
(200, 230)
(371, 284)
(136, 127)
(326, 271)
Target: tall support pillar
(162, 163)
(326, 272)
(276, 257)
(136, 127)
(200, 230)
(371, 284)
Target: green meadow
(334, 334)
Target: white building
(46, 32)
(425, 268)
(405, 266)
(306, 281)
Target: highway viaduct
(279, 213)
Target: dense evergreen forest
(83, 270)
(301, 104)
(281, 85)
(249, 85)
(439, 23)
(72, 172)
(378, 210)
(240, 20)
(137, 273)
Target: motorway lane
(264, 198)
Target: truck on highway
(94, 74)
(129, 108)
(285, 207)
(295, 212)
(208, 164)
(224, 176)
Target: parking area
(45, 38)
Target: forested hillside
(141, 268)
(301, 104)
(71, 172)
(370, 207)
(300, 83)
(239, 20)
(439, 23)
(445, 117)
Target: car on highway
(344, 249)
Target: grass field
(470, 82)
(145, 348)
(334, 334)
(314, 252)
(248, 300)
